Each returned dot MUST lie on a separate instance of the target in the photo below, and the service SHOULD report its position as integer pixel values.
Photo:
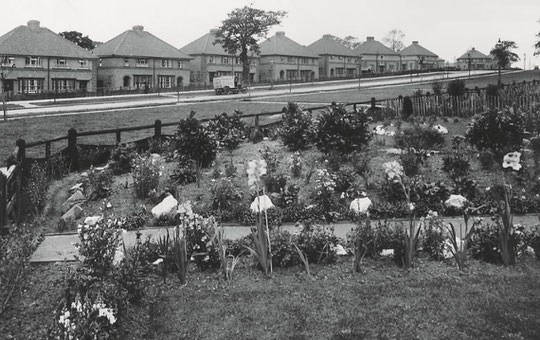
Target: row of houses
(34, 59)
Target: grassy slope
(433, 301)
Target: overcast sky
(447, 28)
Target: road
(81, 105)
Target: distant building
(335, 59)
(417, 57)
(34, 59)
(283, 59)
(376, 57)
(136, 59)
(210, 60)
(476, 59)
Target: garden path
(61, 247)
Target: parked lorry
(228, 84)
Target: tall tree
(77, 38)
(537, 45)
(503, 55)
(394, 39)
(239, 33)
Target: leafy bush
(247, 217)
(419, 137)
(496, 131)
(164, 146)
(198, 231)
(275, 182)
(121, 160)
(228, 130)
(486, 159)
(535, 243)
(271, 157)
(456, 87)
(99, 183)
(437, 87)
(369, 239)
(407, 107)
(283, 252)
(341, 131)
(185, 172)
(318, 243)
(135, 220)
(295, 164)
(230, 169)
(225, 194)
(146, 173)
(492, 90)
(37, 187)
(196, 142)
(433, 237)
(287, 196)
(297, 128)
(484, 244)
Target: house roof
(475, 54)
(34, 40)
(279, 44)
(372, 46)
(416, 49)
(328, 46)
(137, 42)
(204, 45)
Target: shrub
(407, 107)
(456, 87)
(492, 90)
(297, 128)
(185, 172)
(456, 164)
(318, 244)
(287, 196)
(163, 146)
(146, 172)
(121, 160)
(99, 183)
(419, 137)
(341, 131)
(498, 132)
(283, 252)
(275, 182)
(484, 244)
(295, 164)
(135, 220)
(369, 239)
(486, 159)
(225, 194)
(228, 130)
(247, 217)
(437, 87)
(198, 231)
(535, 243)
(271, 157)
(37, 187)
(433, 237)
(230, 169)
(196, 142)
(256, 136)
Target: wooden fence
(10, 192)
(525, 95)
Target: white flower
(393, 169)
(158, 261)
(412, 206)
(441, 129)
(118, 257)
(261, 203)
(360, 205)
(511, 160)
(455, 201)
(185, 208)
(109, 205)
(379, 130)
(255, 170)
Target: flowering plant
(295, 164)
(146, 172)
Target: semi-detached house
(335, 59)
(34, 59)
(136, 59)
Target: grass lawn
(432, 301)
(365, 94)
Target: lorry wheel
(217, 92)
(226, 89)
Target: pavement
(92, 104)
(61, 247)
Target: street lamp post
(359, 70)
(469, 60)
(498, 46)
(271, 74)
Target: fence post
(47, 150)
(157, 128)
(21, 157)
(118, 137)
(372, 102)
(72, 151)
(257, 122)
(3, 200)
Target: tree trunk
(245, 65)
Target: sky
(447, 28)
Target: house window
(63, 85)
(348, 60)
(165, 81)
(126, 62)
(142, 62)
(305, 61)
(224, 60)
(165, 63)
(8, 61)
(340, 58)
(180, 64)
(290, 59)
(211, 59)
(61, 63)
(33, 62)
(142, 81)
(83, 63)
(30, 85)
(332, 57)
(237, 61)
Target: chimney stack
(34, 25)
(139, 29)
